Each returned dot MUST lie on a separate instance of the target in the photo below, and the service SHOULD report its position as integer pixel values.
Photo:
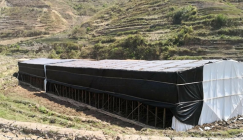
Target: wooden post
(62, 91)
(132, 109)
(147, 119)
(164, 117)
(126, 108)
(93, 97)
(113, 103)
(89, 99)
(75, 94)
(78, 95)
(98, 100)
(108, 102)
(138, 110)
(156, 113)
(82, 95)
(103, 100)
(57, 89)
(119, 105)
(85, 98)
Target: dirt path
(35, 130)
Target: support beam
(156, 116)
(119, 105)
(62, 91)
(75, 92)
(132, 109)
(82, 96)
(89, 99)
(164, 117)
(85, 98)
(126, 108)
(98, 100)
(103, 101)
(113, 104)
(108, 102)
(147, 118)
(138, 111)
(78, 95)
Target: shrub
(96, 50)
(219, 21)
(53, 54)
(88, 29)
(108, 40)
(58, 49)
(168, 52)
(181, 37)
(133, 41)
(184, 13)
(73, 54)
(42, 109)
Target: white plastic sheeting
(223, 93)
(179, 126)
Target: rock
(119, 137)
(45, 136)
(52, 120)
(240, 118)
(5, 130)
(81, 138)
(60, 136)
(200, 129)
(207, 128)
(27, 131)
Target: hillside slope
(170, 29)
(30, 18)
(131, 29)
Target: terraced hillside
(31, 18)
(129, 29)
(171, 29)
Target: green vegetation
(184, 13)
(220, 21)
(112, 29)
(166, 28)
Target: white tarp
(179, 126)
(222, 89)
(223, 93)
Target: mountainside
(173, 29)
(134, 29)
(30, 18)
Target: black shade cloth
(32, 69)
(167, 77)
(190, 76)
(150, 90)
(190, 97)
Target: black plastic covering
(171, 84)
(32, 69)
(35, 67)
